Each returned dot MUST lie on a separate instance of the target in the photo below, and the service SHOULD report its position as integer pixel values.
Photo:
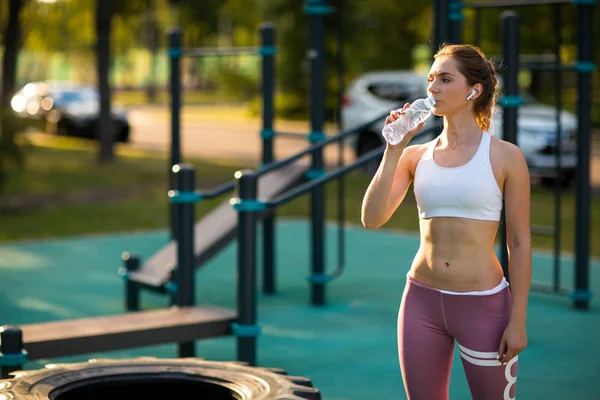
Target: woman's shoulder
(504, 148)
(507, 152)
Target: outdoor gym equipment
(217, 228)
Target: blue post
(316, 9)
(582, 294)
(246, 329)
(510, 103)
(267, 31)
(132, 290)
(175, 89)
(184, 201)
(12, 355)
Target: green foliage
(237, 84)
(12, 152)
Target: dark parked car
(66, 108)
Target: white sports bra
(467, 191)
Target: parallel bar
(292, 135)
(515, 3)
(543, 230)
(510, 53)
(308, 186)
(551, 289)
(224, 188)
(223, 51)
(320, 145)
(584, 117)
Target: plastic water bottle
(418, 112)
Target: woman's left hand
(514, 340)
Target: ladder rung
(543, 230)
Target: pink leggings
(430, 320)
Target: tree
(9, 150)
(105, 128)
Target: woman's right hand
(394, 115)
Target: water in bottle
(418, 112)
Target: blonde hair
(476, 68)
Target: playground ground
(347, 348)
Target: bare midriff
(457, 254)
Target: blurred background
(75, 69)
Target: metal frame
(448, 28)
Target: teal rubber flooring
(347, 348)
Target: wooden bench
(125, 331)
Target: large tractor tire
(156, 379)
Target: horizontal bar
(224, 188)
(305, 187)
(515, 3)
(220, 51)
(547, 288)
(543, 230)
(292, 135)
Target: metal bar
(455, 18)
(319, 145)
(267, 31)
(292, 135)
(308, 186)
(543, 230)
(545, 288)
(341, 181)
(515, 3)
(559, 174)
(224, 188)
(440, 24)
(316, 54)
(220, 51)
(175, 90)
(584, 117)
(510, 52)
(246, 261)
(477, 40)
(132, 290)
(184, 273)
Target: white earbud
(473, 93)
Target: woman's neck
(459, 129)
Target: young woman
(455, 288)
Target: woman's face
(449, 87)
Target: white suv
(376, 93)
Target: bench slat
(124, 331)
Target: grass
(64, 192)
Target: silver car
(376, 93)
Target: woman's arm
(391, 181)
(517, 202)
(387, 188)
